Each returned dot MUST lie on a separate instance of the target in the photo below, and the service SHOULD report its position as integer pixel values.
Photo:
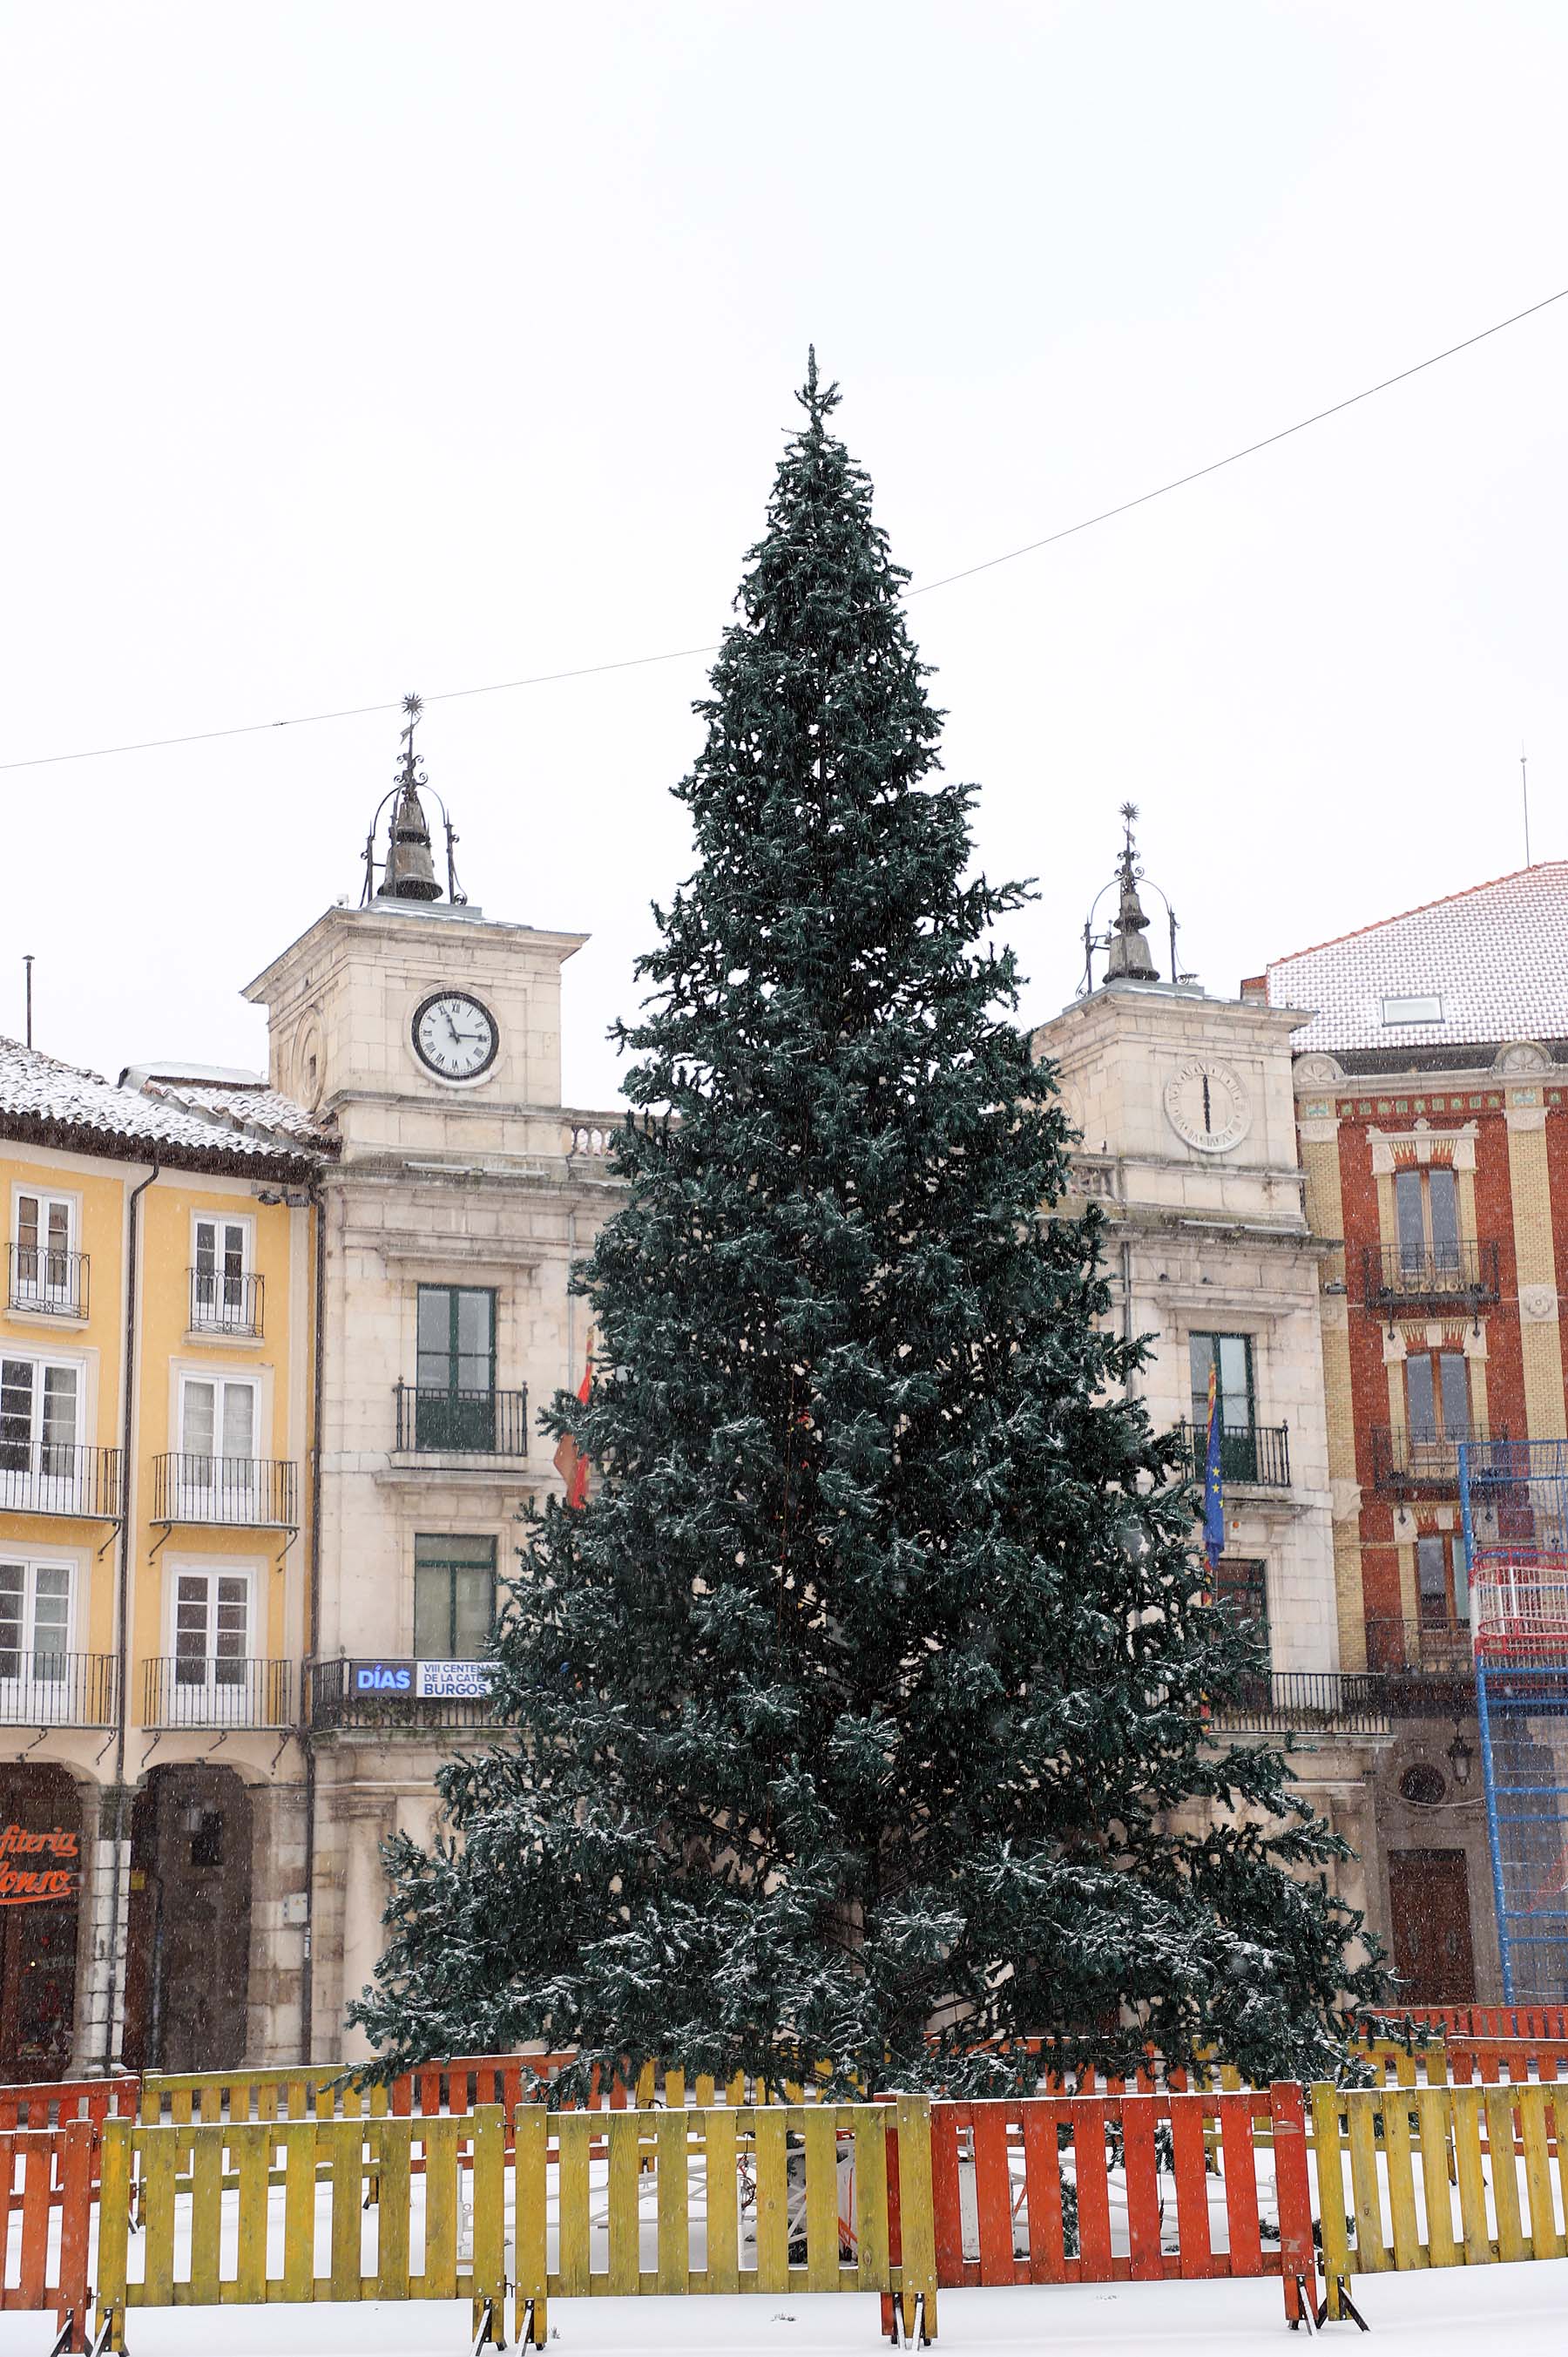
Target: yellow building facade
(156, 1372)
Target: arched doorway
(189, 1964)
(41, 1886)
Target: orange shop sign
(24, 1886)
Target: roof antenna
(1524, 788)
(27, 961)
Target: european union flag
(1213, 1497)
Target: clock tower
(1185, 1108)
(426, 1037)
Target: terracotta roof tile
(248, 1107)
(1496, 956)
(40, 1092)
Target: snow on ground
(1454, 2312)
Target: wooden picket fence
(45, 2170)
(417, 2212)
(51, 2102)
(1041, 2170)
(795, 2198)
(304, 2185)
(1413, 2153)
(1488, 2021)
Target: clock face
(454, 1035)
(1206, 1106)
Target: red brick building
(1432, 1105)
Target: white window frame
(59, 1300)
(50, 1491)
(215, 1321)
(218, 1702)
(204, 1499)
(26, 1699)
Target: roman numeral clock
(454, 1035)
(1206, 1106)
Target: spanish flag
(570, 1461)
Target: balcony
(453, 1424)
(44, 1282)
(1414, 1464)
(1259, 1458)
(225, 1301)
(337, 1696)
(1425, 1669)
(1426, 1648)
(225, 1690)
(1306, 1702)
(238, 1492)
(54, 1477)
(44, 1689)
(1429, 1276)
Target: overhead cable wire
(921, 589)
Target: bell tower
(408, 871)
(414, 1021)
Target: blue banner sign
(382, 1677)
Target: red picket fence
(1488, 2021)
(1506, 2060)
(52, 2103)
(44, 2169)
(1021, 2151)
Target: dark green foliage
(866, 1693)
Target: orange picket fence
(52, 2103)
(44, 2170)
(1485, 2021)
(1046, 2189)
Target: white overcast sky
(357, 348)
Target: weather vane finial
(408, 871)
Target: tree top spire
(816, 399)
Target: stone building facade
(1184, 1107)
(454, 1207)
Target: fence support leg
(1338, 2306)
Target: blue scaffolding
(1514, 1498)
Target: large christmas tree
(860, 1713)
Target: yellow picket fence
(794, 2198)
(1414, 2152)
(432, 2178)
(302, 2092)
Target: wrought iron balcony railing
(1259, 1455)
(222, 1690)
(44, 1280)
(1406, 1462)
(1402, 1648)
(483, 1423)
(45, 1689)
(55, 1477)
(334, 1699)
(1416, 1276)
(226, 1302)
(236, 1490)
(1294, 1702)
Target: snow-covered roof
(66, 1104)
(250, 1105)
(1494, 959)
